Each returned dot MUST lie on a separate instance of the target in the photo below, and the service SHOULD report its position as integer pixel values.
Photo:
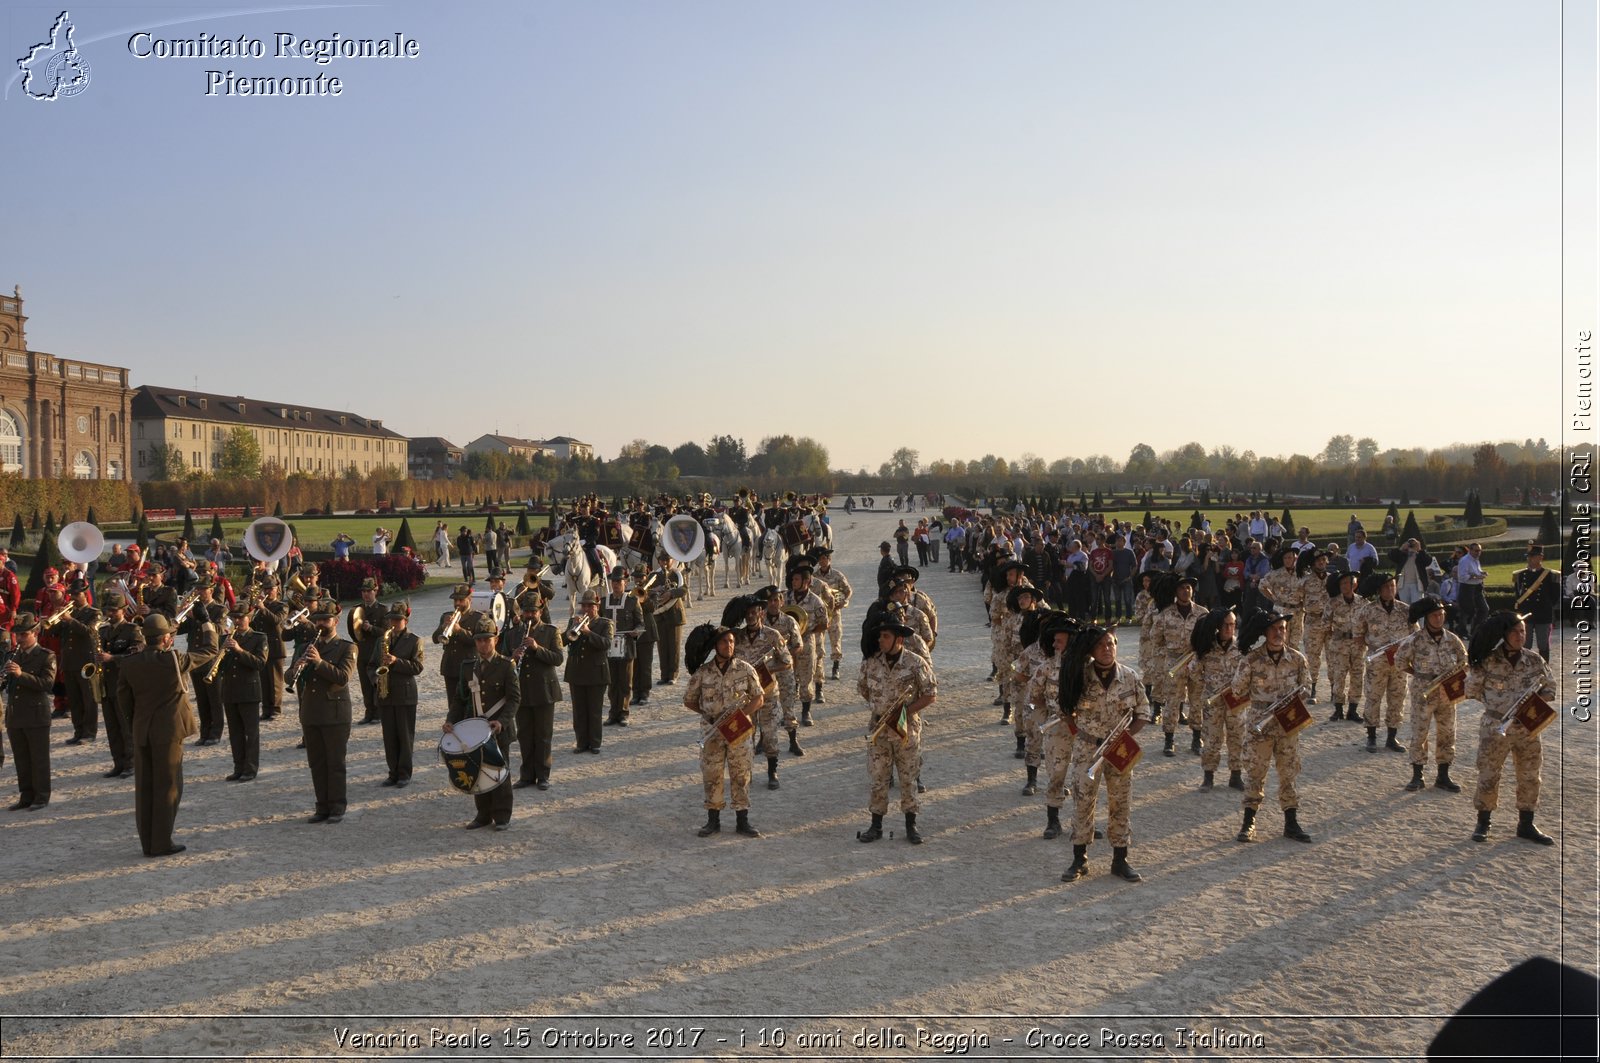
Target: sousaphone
(81, 541)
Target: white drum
(491, 604)
(472, 756)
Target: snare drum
(794, 535)
(491, 604)
(472, 757)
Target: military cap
(462, 590)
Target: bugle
(1259, 728)
(1388, 649)
(1511, 713)
(1110, 740)
(1172, 673)
(893, 715)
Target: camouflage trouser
(785, 699)
(1387, 683)
(767, 718)
(714, 756)
(1345, 666)
(1175, 691)
(1264, 752)
(818, 655)
(1441, 712)
(1526, 755)
(892, 754)
(1119, 794)
(1315, 641)
(1033, 748)
(1297, 628)
(1222, 725)
(805, 667)
(836, 635)
(1058, 751)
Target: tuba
(801, 618)
(81, 541)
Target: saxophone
(216, 665)
(94, 672)
(381, 673)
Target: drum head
(472, 757)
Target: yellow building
(296, 438)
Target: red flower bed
(397, 571)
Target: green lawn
(1325, 524)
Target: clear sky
(1061, 228)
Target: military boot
(1196, 744)
(1022, 746)
(1208, 782)
(713, 823)
(742, 825)
(794, 744)
(1235, 781)
(872, 833)
(772, 774)
(1338, 713)
(1052, 823)
(835, 669)
(1416, 779)
(1119, 865)
(1168, 750)
(911, 829)
(1291, 826)
(1079, 866)
(1480, 833)
(805, 715)
(1005, 712)
(1393, 745)
(1444, 782)
(1372, 739)
(1033, 781)
(1527, 831)
(819, 699)
(1247, 829)
(1353, 713)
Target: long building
(297, 438)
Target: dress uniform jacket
(586, 655)
(499, 692)
(406, 649)
(239, 678)
(324, 687)
(624, 617)
(29, 702)
(151, 690)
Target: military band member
(1267, 673)
(238, 685)
(806, 661)
(1098, 696)
(203, 628)
(588, 639)
(454, 633)
(30, 674)
(1056, 631)
(1312, 566)
(762, 649)
(1381, 623)
(1021, 601)
(718, 688)
(897, 686)
(1282, 587)
(364, 624)
(323, 684)
(395, 692)
(1503, 671)
(1346, 650)
(836, 591)
(1027, 664)
(269, 620)
(666, 602)
(1433, 654)
(1007, 576)
(158, 597)
(498, 696)
(645, 644)
(1170, 637)
(152, 691)
(120, 638)
(537, 654)
(779, 619)
(1538, 592)
(627, 624)
(77, 635)
(1214, 641)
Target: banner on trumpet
(1453, 684)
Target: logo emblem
(270, 535)
(54, 69)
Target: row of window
(269, 437)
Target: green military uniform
(325, 715)
(499, 695)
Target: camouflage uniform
(1044, 692)
(925, 603)
(1213, 673)
(1030, 665)
(789, 632)
(997, 638)
(1427, 658)
(1500, 683)
(835, 580)
(765, 647)
(1286, 592)
(1144, 613)
(882, 685)
(1346, 651)
(808, 661)
(1265, 680)
(1385, 682)
(712, 692)
(1314, 606)
(1013, 684)
(1099, 710)
(1169, 637)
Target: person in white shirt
(1360, 550)
(380, 543)
(1473, 607)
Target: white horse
(567, 554)
(821, 531)
(706, 563)
(772, 550)
(734, 560)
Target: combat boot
(713, 823)
(1353, 713)
(911, 829)
(1291, 826)
(1416, 779)
(1119, 865)
(1313, 697)
(1196, 744)
(1235, 781)
(819, 699)
(1168, 750)
(742, 825)
(1079, 866)
(1033, 781)
(872, 833)
(836, 669)
(1338, 713)
(805, 715)
(794, 744)
(1372, 739)
(1005, 712)
(1392, 744)
(1022, 746)
(1481, 832)
(1208, 782)
(1247, 829)
(1444, 782)
(1052, 823)
(772, 774)
(1526, 830)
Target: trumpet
(893, 714)
(216, 665)
(1511, 713)
(578, 628)
(380, 674)
(186, 606)
(1172, 673)
(1111, 740)
(297, 617)
(450, 628)
(57, 616)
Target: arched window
(10, 442)
(83, 467)
(111, 428)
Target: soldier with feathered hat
(1097, 694)
(1382, 623)
(1214, 641)
(1270, 670)
(1503, 671)
(1434, 653)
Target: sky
(1058, 228)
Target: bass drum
(472, 757)
(491, 604)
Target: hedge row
(299, 495)
(111, 499)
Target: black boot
(1313, 697)
(713, 823)
(1392, 745)
(1005, 712)
(1079, 866)
(805, 715)
(1353, 713)
(1444, 782)
(1033, 781)
(1291, 827)
(911, 829)
(1247, 829)
(1338, 713)
(1168, 750)
(1052, 823)
(772, 775)
(1481, 832)
(819, 699)
(1119, 865)
(872, 833)
(1372, 739)
(836, 669)
(1416, 779)
(741, 824)
(1022, 746)
(1235, 781)
(1526, 830)
(1208, 782)
(794, 745)
(1195, 744)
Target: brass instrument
(216, 665)
(899, 706)
(297, 617)
(1111, 740)
(1511, 713)
(93, 671)
(1172, 673)
(56, 617)
(381, 673)
(450, 628)
(185, 606)
(1395, 645)
(800, 618)
(1260, 727)
(578, 628)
